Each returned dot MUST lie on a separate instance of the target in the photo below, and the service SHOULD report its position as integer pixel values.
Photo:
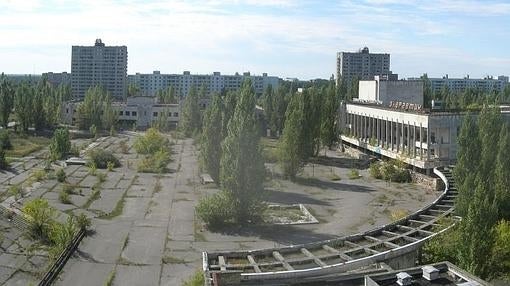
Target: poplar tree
(6, 100)
(190, 120)
(468, 158)
(290, 147)
(502, 173)
(23, 105)
(269, 113)
(229, 106)
(328, 127)
(242, 165)
(212, 138)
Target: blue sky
(281, 37)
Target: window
(121, 113)
(176, 114)
(155, 114)
(127, 113)
(134, 113)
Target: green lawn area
(24, 145)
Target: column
(421, 141)
(397, 139)
(391, 135)
(428, 143)
(408, 139)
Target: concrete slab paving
(137, 275)
(145, 245)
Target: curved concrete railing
(435, 211)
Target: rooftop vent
(404, 279)
(430, 272)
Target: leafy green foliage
(155, 163)
(100, 159)
(151, 142)
(60, 144)
(7, 92)
(290, 150)
(3, 162)
(215, 210)
(61, 175)
(96, 109)
(190, 119)
(353, 174)
(196, 280)
(166, 96)
(242, 167)
(5, 141)
(64, 198)
(393, 171)
(328, 128)
(40, 216)
(83, 222)
(210, 151)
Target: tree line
(30, 104)
(469, 99)
(480, 243)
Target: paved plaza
(144, 229)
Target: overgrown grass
(96, 194)
(354, 174)
(119, 207)
(168, 259)
(110, 278)
(24, 145)
(196, 280)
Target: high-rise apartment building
(363, 65)
(455, 85)
(149, 84)
(99, 65)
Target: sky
(286, 38)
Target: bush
(151, 142)
(60, 145)
(354, 174)
(215, 210)
(5, 141)
(61, 175)
(68, 188)
(16, 191)
(156, 163)
(40, 216)
(63, 197)
(38, 175)
(100, 158)
(83, 221)
(390, 171)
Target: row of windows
(154, 114)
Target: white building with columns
(422, 138)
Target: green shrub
(151, 142)
(354, 174)
(68, 188)
(110, 166)
(16, 191)
(63, 197)
(61, 175)
(40, 216)
(74, 151)
(100, 158)
(215, 210)
(101, 177)
(83, 221)
(60, 145)
(156, 163)
(393, 171)
(5, 141)
(38, 175)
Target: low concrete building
(141, 112)
(422, 138)
(385, 91)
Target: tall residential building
(363, 65)
(488, 84)
(149, 84)
(99, 65)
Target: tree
(96, 109)
(267, 104)
(501, 252)
(6, 100)
(60, 144)
(312, 111)
(166, 96)
(242, 166)
(190, 119)
(468, 158)
(212, 138)
(42, 93)
(489, 124)
(229, 106)
(328, 127)
(427, 90)
(290, 146)
(502, 173)
(23, 105)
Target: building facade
(139, 112)
(385, 92)
(99, 65)
(362, 65)
(398, 127)
(456, 85)
(150, 84)
(57, 79)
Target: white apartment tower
(362, 64)
(99, 65)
